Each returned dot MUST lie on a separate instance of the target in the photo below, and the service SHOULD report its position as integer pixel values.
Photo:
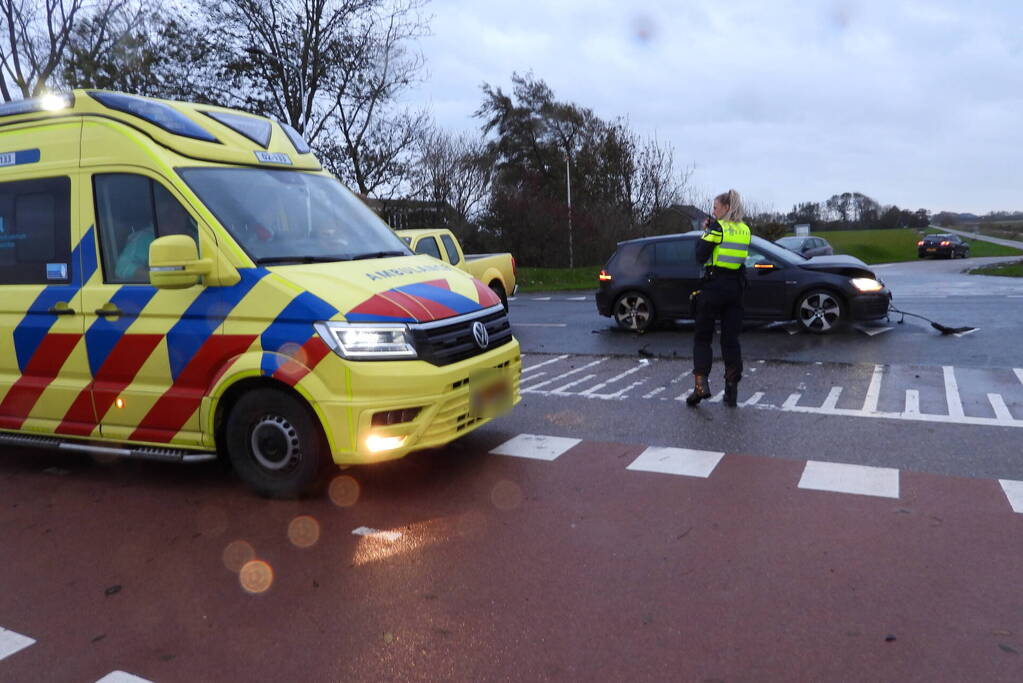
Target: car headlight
(355, 341)
(866, 284)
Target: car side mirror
(174, 262)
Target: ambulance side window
(132, 211)
(35, 231)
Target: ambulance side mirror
(174, 262)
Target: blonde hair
(733, 201)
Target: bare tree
(457, 170)
(37, 33)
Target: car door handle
(61, 308)
(109, 310)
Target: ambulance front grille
(446, 344)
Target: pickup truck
(497, 271)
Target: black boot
(731, 394)
(701, 390)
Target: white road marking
(620, 393)
(874, 390)
(717, 398)
(832, 400)
(856, 479)
(912, 402)
(561, 376)
(546, 362)
(593, 389)
(791, 401)
(754, 399)
(391, 536)
(561, 389)
(576, 298)
(122, 677)
(512, 298)
(542, 298)
(11, 642)
(1019, 373)
(1014, 492)
(536, 446)
(998, 404)
(955, 405)
(539, 324)
(684, 395)
(654, 392)
(681, 461)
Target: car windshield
(281, 216)
(774, 251)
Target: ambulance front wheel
(275, 444)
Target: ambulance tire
(275, 444)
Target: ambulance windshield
(281, 217)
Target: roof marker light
(255, 129)
(155, 112)
(300, 145)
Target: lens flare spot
(506, 495)
(304, 531)
(256, 576)
(295, 352)
(237, 554)
(344, 491)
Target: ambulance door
(135, 364)
(44, 258)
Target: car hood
(840, 264)
(404, 289)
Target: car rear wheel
(634, 311)
(275, 445)
(819, 311)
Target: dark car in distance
(649, 280)
(948, 246)
(806, 246)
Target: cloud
(913, 102)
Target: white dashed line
(791, 401)
(1014, 492)
(536, 446)
(653, 393)
(122, 677)
(1019, 373)
(912, 402)
(11, 642)
(593, 390)
(546, 362)
(717, 398)
(874, 390)
(855, 479)
(542, 298)
(832, 400)
(576, 298)
(754, 399)
(955, 405)
(680, 461)
(561, 376)
(561, 389)
(998, 405)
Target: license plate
(490, 393)
(932, 249)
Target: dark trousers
(719, 299)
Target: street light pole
(568, 180)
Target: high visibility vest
(731, 244)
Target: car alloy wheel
(633, 311)
(819, 312)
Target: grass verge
(1013, 269)
(557, 279)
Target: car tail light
(946, 243)
(604, 276)
(920, 243)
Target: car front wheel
(274, 444)
(819, 311)
(634, 311)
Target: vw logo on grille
(479, 331)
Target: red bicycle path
(499, 568)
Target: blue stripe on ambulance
(445, 297)
(294, 325)
(103, 335)
(38, 321)
(204, 315)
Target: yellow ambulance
(182, 281)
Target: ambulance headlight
(368, 342)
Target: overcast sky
(917, 103)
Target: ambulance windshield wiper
(375, 254)
(270, 260)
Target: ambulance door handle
(109, 310)
(61, 308)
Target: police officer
(722, 249)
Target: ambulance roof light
(300, 145)
(49, 102)
(155, 112)
(255, 129)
